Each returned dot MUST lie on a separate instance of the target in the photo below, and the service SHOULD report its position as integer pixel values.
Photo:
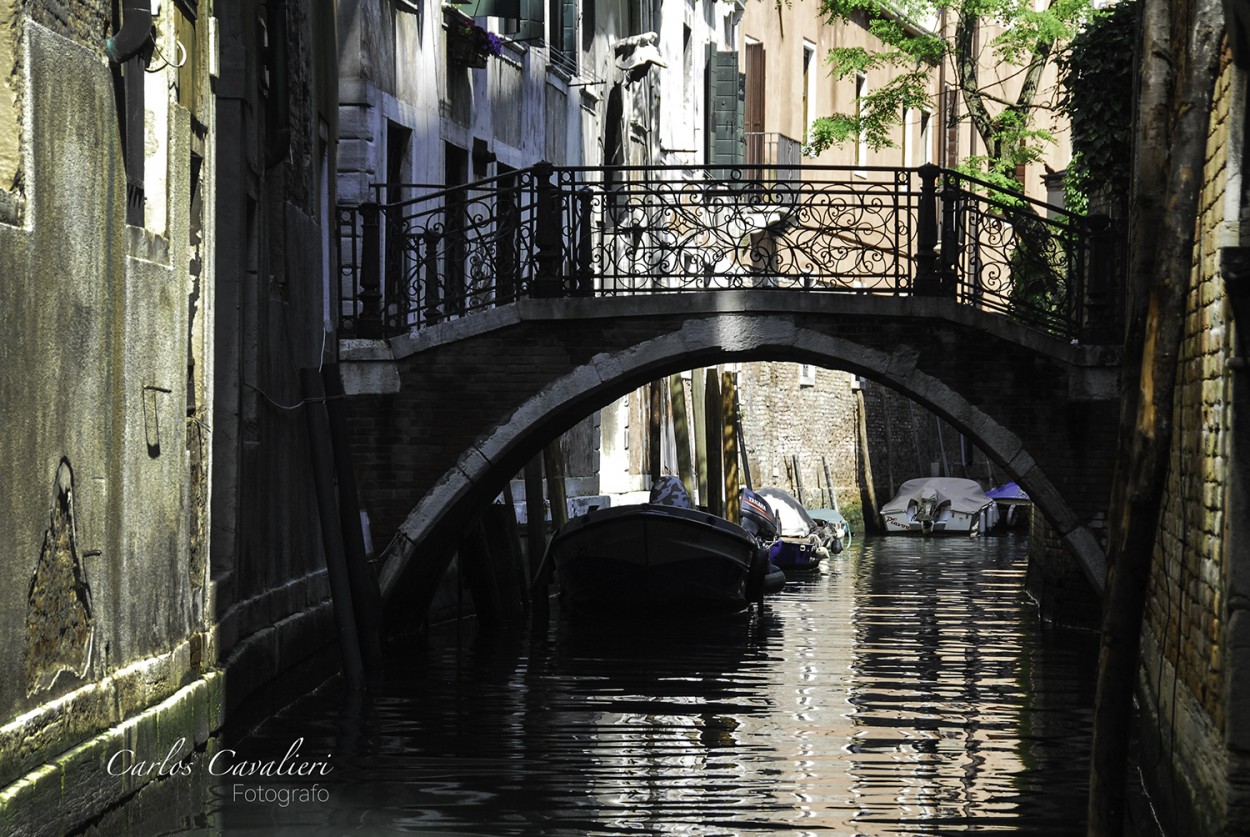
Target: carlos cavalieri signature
(223, 763)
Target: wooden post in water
(502, 548)
(655, 443)
(313, 390)
(868, 493)
(833, 497)
(366, 597)
(535, 519)
(681, 432)
(698, 389)
(798, 481)
(729, 443)
(553, 465)
(513, 531)
(473, 556)
(742, 445)
(714, 423)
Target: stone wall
(96, 505)
(270, 285)
(807, 413)
(127, 629)
(497, 384)
(906, 441)
(1192, 763)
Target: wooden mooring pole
(698, 403)
(681, 432)
(366, 597)
(713, 425)
(729, 446)
(331, 535)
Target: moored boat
(660, 555)
(939, 505)
(757, 518)
(832, 529)
(798, 547)
(1013, 505)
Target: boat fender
(755, 577)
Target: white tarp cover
(964, 495)
(794, 520)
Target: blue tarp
(1007, 492)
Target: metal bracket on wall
(1235, 268)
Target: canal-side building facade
(1194, 683)
(162, 219)
(108, 168)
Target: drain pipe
(134, 33)
(130, 46)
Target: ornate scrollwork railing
(608, 231)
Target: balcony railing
(608, 231)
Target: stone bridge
(443, 417)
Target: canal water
(906, 687)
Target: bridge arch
(727, 333)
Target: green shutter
(510, 9)
(568, 27)
(724, 109)
(532, 16)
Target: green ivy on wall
(1097, 80)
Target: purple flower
(482, 42)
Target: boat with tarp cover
(939, 505)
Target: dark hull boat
(798, 548)
(652, 556)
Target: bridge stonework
(441, 419)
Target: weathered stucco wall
(93, 428)
(1196, 767)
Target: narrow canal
(905, 688)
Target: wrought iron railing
(607, 231)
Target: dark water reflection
(907, 688)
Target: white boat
(938, 505)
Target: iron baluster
(370, 322)
(954, 227)
(584, 244)
(928, 279)
(548, 282)
(430, 283)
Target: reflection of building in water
(936, 692)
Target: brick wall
(811, 419)
(1185, 661)
(469, 412)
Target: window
(917, 139)
(809, 89)
(562, 34)
(753, 102)
(861, 146)
(925, 141)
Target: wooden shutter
(724, 117)
(532, 17)
(753, 104)
(510, 9)
(568, 27)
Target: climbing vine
(1096, 76)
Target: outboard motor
(757, 516)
